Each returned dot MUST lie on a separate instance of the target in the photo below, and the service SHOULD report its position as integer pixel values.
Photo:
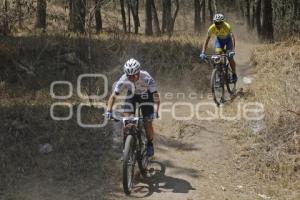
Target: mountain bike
(134, 149)
(221, 76)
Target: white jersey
(141, 86)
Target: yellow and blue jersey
(222, 33)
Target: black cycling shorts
(145, 102)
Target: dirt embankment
(270, 147)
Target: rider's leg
(234, 77)
(150, 135)
(232, 65)
(149, 129)
(147, 108)
(229, 47)
(147, 111)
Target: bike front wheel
(143, 159)
(231, 86)
(217, 86)
(128, 164)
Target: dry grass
(273, 152)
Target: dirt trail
(194, 159)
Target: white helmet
(132, 67)
(219, 18)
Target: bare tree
(215, 6)
(123, 15)
(252, 23)
(258, 16)
(19, 5)
(267, 31)
(128, 14)
(211, 12)
(135, 14)
(247, 12)
(41, 14)
(98, 17)
(296, 16)
(155, 19)
(148, 18)
(5, 30)
(168, 21)
(166, 15)
(296, 9)
(77, 15)
(173, 19)
(203, 6)
(197, 16)
(241, 9)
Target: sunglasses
(218, 23)
(132, 76)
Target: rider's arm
(111, 101)
(233, 41)
(153, 90)
(116, 91)
(205, 44)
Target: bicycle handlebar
(121, 118)
(222, 55)
(126, 118)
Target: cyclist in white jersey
(141, 90)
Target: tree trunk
(215, 6)
(77, 15)
(5, 30)
(41, 14)
(155, 19)
(98, 17)
(241, 10)
(135, 14)
(70, 15)
(258, 16)
(167, 15)
(253, 17)
(296, 9)
(197, 17)
(203, 12)
(267, 24)
(297, 14)
(148, 18)
(20, 13)
(211, 12)
(170, 27)
(128, 14)
(123, 15)
(247, 13)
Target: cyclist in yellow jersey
(224, 41)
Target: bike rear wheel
(128, 164)
(217, 86)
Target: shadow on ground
(158, 181)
